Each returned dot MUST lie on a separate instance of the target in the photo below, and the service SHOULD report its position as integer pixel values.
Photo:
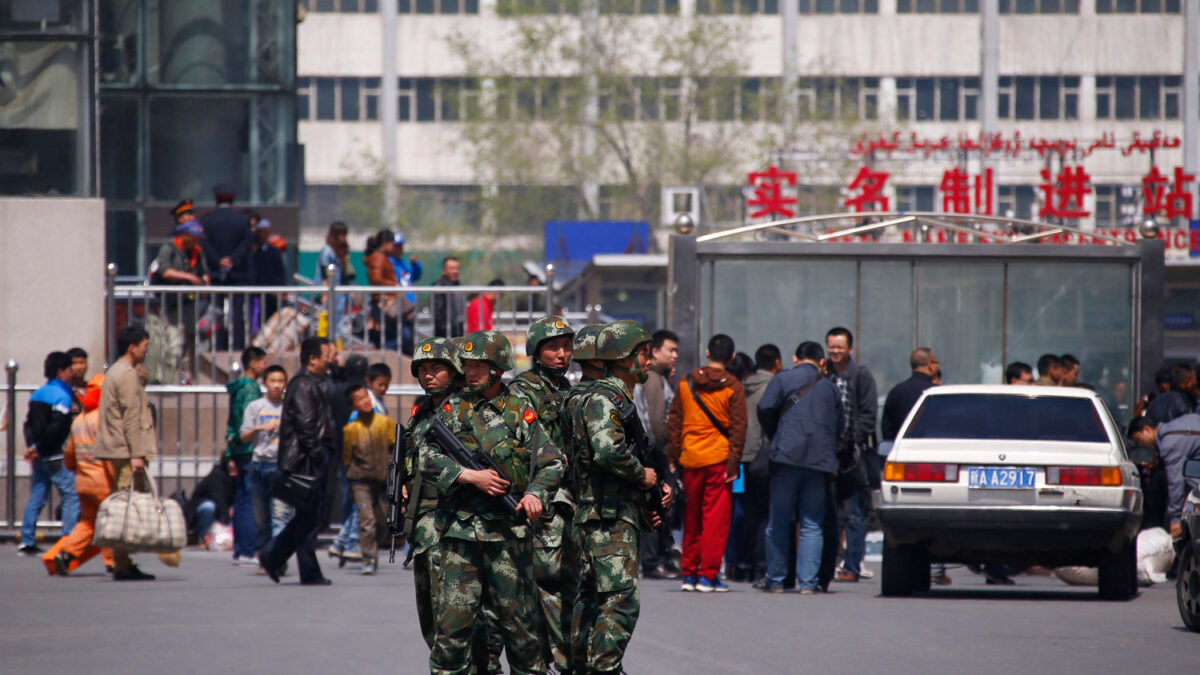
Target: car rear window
(1002, 417)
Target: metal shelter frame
(1004, 239)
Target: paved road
(207, 616)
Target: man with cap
(181, 262)
(267, 268)
(486, 554)
(609, 485)
(227, 245)
(436, 366)
(408, 272)
(549, 342)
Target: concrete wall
(51, 281)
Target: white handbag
(140, 521)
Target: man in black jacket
(306, 444)
(227, 246)
(903, 396)
(1177, 402)
(900, 401)
(860, 403)
(448, 309)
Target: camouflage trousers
(494, 574)
(607, 607)
(425, 574)
(556, 589)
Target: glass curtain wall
(976, 315)
(47, 123)
(192, 94)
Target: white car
(1009, 474)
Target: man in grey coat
(1178, 441)
(802, 413)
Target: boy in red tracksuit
(706, 430)
(91, 483)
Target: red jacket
(479, 314)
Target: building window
(1039, 98)
(1015, 201)
(1145, 97)
(915, 198)
(937, 6)
(937, 98)
(326, 95)
(303, 93)
(1137, 6)
(626, 7)
(1116, 205)
(1039, 6)
(437, 6)
(824, 98)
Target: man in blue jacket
(227, 245)
(802, 413)
(47, 427)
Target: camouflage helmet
(544, 329)
(490, 346)
(620, 339)
(436, 349)
(585, 343)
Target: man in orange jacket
(706, 427)
(91, 483)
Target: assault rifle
(651, 457)
(396, 480)
(440, 435)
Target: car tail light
(923, 473)
(1083, 475)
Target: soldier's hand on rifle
(488, 482)
(532, 506)
(654, 518)
(649, 478)
(668, 496)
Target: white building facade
(1090, 84)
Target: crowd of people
(533, 548)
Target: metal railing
(198, 332)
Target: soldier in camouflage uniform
(548, 343)
(585, 355)
(486, 554)
(435, 365)
(609, 485)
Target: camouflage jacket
(606, 476)
(422, 489)
(546, 393)
(507, 429)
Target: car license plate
(1001, 477)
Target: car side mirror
(1191, 468)
(1140, 454)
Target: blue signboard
(1179, 320)
(570, 244)
(1194, 239)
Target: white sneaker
(865, 573)
(689, 584)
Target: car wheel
(1187, 587)
(1118, 574)
(898, 569)
(922, 576)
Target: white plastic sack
(221, 537)
(1155, 555)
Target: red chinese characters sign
(1063, 194)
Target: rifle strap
(708, 413)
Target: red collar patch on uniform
(530, 416)
(414, 411)
(446, 407)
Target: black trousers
(299, 536)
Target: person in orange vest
(91, 483)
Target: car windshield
(1005, 417)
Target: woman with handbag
(126, 441)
